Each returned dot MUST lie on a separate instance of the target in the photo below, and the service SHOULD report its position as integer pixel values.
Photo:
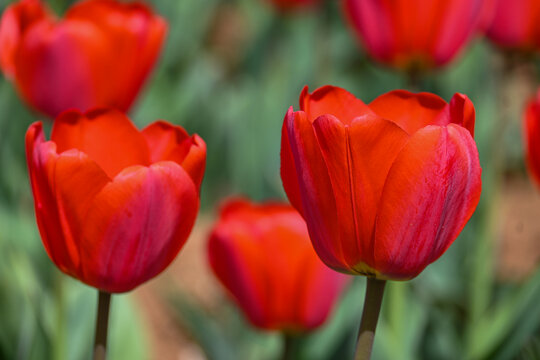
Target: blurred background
(229, 71)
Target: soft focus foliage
(229, 71)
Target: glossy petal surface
(387, 190)
(108, 214)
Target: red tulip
(385, 188)
(415, 34)
(114, 205)
(263, 256)
(532, 137)
(515, 24)
(292, 5)
(99, 54)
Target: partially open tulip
(415, 35)
(384, 188)
(114, 205)
(263, 256)
(532, 137)
(515, 25)
(98, 54)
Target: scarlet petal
(63, 187)
(410, 111)
(63, 65)
(169, 142)
(318, 204)
(263, 256)
(357, 180)
(107, 136)
(373, 26)
(164, 142)
(289, 174)
(460, 111)
(137, 224)
(334, 101)
(137, 36)
(532, 136)
(431, 192)
(15, 20)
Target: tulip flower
(98, 55)
(385, 188)
(263, 256)
(114, 206)
(532, 137)
(415, 35)
(515, 25)
(292, 5)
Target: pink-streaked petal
(137, 224)
(431, 192)
(318, 204)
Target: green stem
(102, 325)
(370, 317)
(60, 339)
(289, 347)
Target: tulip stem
(289, 347)
(102, 325)
(370, 317)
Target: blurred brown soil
(519, 221)
(518, 255)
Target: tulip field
(270, 179)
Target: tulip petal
(460, 20)
(238, 267)
(107, 136)
(263, 255)
(137, 34)
(460, 111)
(334, 101)
(358, 158)
(63, 188)
(289, 174)
(137, 224)
(410, 111)
(431, 192)
(532, 136)
(318, 204)
(169, 142)
(370, 20)
(15, 20)
(65, 65)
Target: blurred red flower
(532, 137)
(263, 256)
(292, 5)
(99, 54)
(385, 188)
(114, 205)
(414, 35)
(515, 25)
